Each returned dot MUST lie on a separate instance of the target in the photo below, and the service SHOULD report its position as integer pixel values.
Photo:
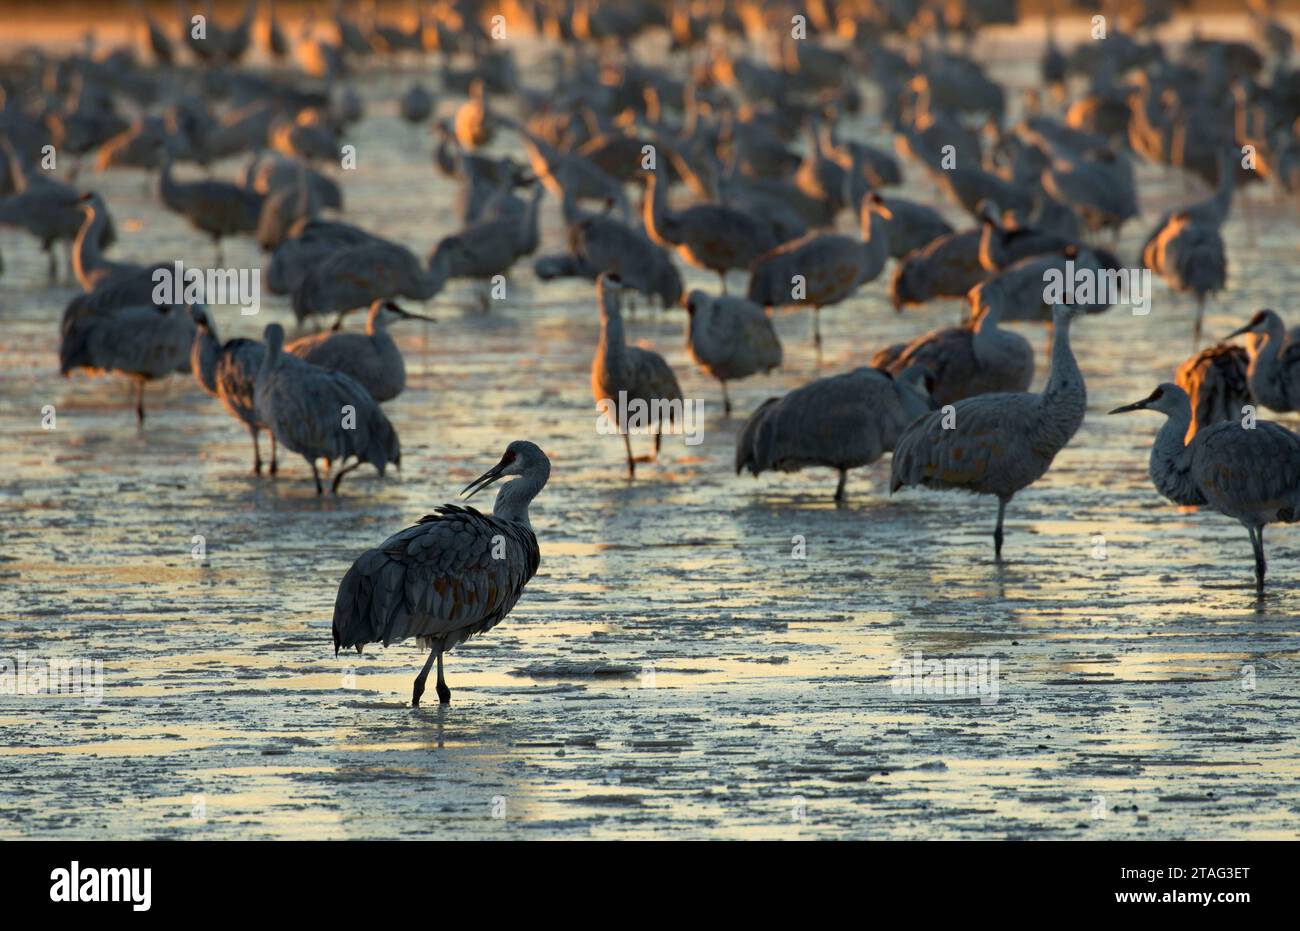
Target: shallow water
(673, 670)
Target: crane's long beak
(410, 316)
(484, 480)
(1238, 331)
(1135, 406)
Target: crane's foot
(997, 544)
(444, 694)
(417, 692)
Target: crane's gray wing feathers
(438, 579)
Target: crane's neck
(1265, 375)
(985, 339)
(515, 496)
(658, 219)
(612, 340)
(1064, 398)
(86, 256)
(876, 241)
(203, 358)
(1169, 464)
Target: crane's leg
(631, 463)
(659, 438)
(342, 472)
(275, 466)
(1257, 542)
(839, 488)
(257, 451)
(424, 674)
(726, 401)
(817, 332)
(320, 490)
(1196, 328)
(997, 531)
(54, 263)
(220, 257)
(444, 693)
(722, 276)
(139, 402)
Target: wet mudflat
(675, 669)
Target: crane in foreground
(454, 574)
(840, 422)
(997, 444)
(1248, 473)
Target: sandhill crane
(1191, 258)
(321, 414)
(841, 422)
(1251, 474)
(730, 338)
(217, 208)
(911, 225)
(978, 357)
(948, 267)
(454, 574)
(357, 276)
(997, 444)
(622, 375)
(598, 243)
(709, 236)
(1003, 243)
(1020, 287)
(821, 269)
(311, 243)
(142, 342)
(490, 247)
(282, 212)
(228, 372)
(372, 358)
(47, 209)
(1216, 383)
(416, 105)
(1274, 372)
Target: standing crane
(373, 359)
(1251, 474)
(142, 342)
(730, 338)
(977, 357)
(710, 236)
(841, 422)
(1274, 372)
(821, 269)
(321, 414)
(997, 444)
(454, 574)
(623, 374)
(217, 208)
(228, 372)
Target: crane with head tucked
(841, 422)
